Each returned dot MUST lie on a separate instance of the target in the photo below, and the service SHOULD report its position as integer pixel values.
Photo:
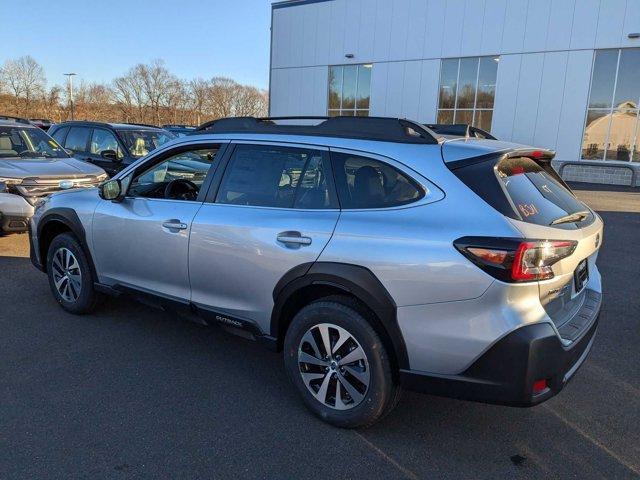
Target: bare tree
(156, 81)
(145, 92)
(199, 91)
(130, 95)
(221, 97)
(25, 78)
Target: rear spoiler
(538, 154)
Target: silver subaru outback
(376, 254)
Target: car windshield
(28, 142)
(140, 142)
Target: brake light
(540, 386)
(513, 260)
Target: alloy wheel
(333, 366)
(67, 276)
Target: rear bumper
(505, 374)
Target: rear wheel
(339, 365)
(70, 275)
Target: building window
(611, 129)
(468, 90)
(349, 90)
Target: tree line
(146, 93)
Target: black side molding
(69, 218)
(353, 279)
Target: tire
(367, 388)
(75, 292)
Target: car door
(142, 242)
(275, 209)
(105, 151)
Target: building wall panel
(434, 28)
(526, 106)
(515, 20)
(552, 88)
(429, 84)
(493, 26)
(560, 24)
(537, 25)
(611, 22)
(506, 96)
(574, 102)
(453, 24)
(472, 27)
(585, 23)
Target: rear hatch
(520, 183)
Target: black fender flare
(69, 218)
(353, 279)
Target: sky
(101, 39)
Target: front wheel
(70, 276)
(339, 365)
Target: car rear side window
(537, 196)
(367, 183)
(77, 139)
(273, 176)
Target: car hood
(47, 167)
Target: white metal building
(559, 74)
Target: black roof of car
(7, 119)
(364, 128)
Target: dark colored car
(43, 123)
(112, 146)
(459, 130)
(179, 130)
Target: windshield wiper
(33, 154)
(571, 218)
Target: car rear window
(537, 196)
(525, 189)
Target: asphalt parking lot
(133, 392)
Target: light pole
(70, 83)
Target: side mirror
(111, 190)
(109, 155)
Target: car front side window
(177, 177)
(104, 140)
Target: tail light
(514, 260)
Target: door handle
(293, 238)
(174, 225)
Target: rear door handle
(293, 238)
(174, 225)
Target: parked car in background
(42, 123)
(32, 166)
(374, 253)
(459, 130)
(111, 146)
(179, 130)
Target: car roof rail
(385, 129)
(459, 130)
(141, 124)
(15, 119)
